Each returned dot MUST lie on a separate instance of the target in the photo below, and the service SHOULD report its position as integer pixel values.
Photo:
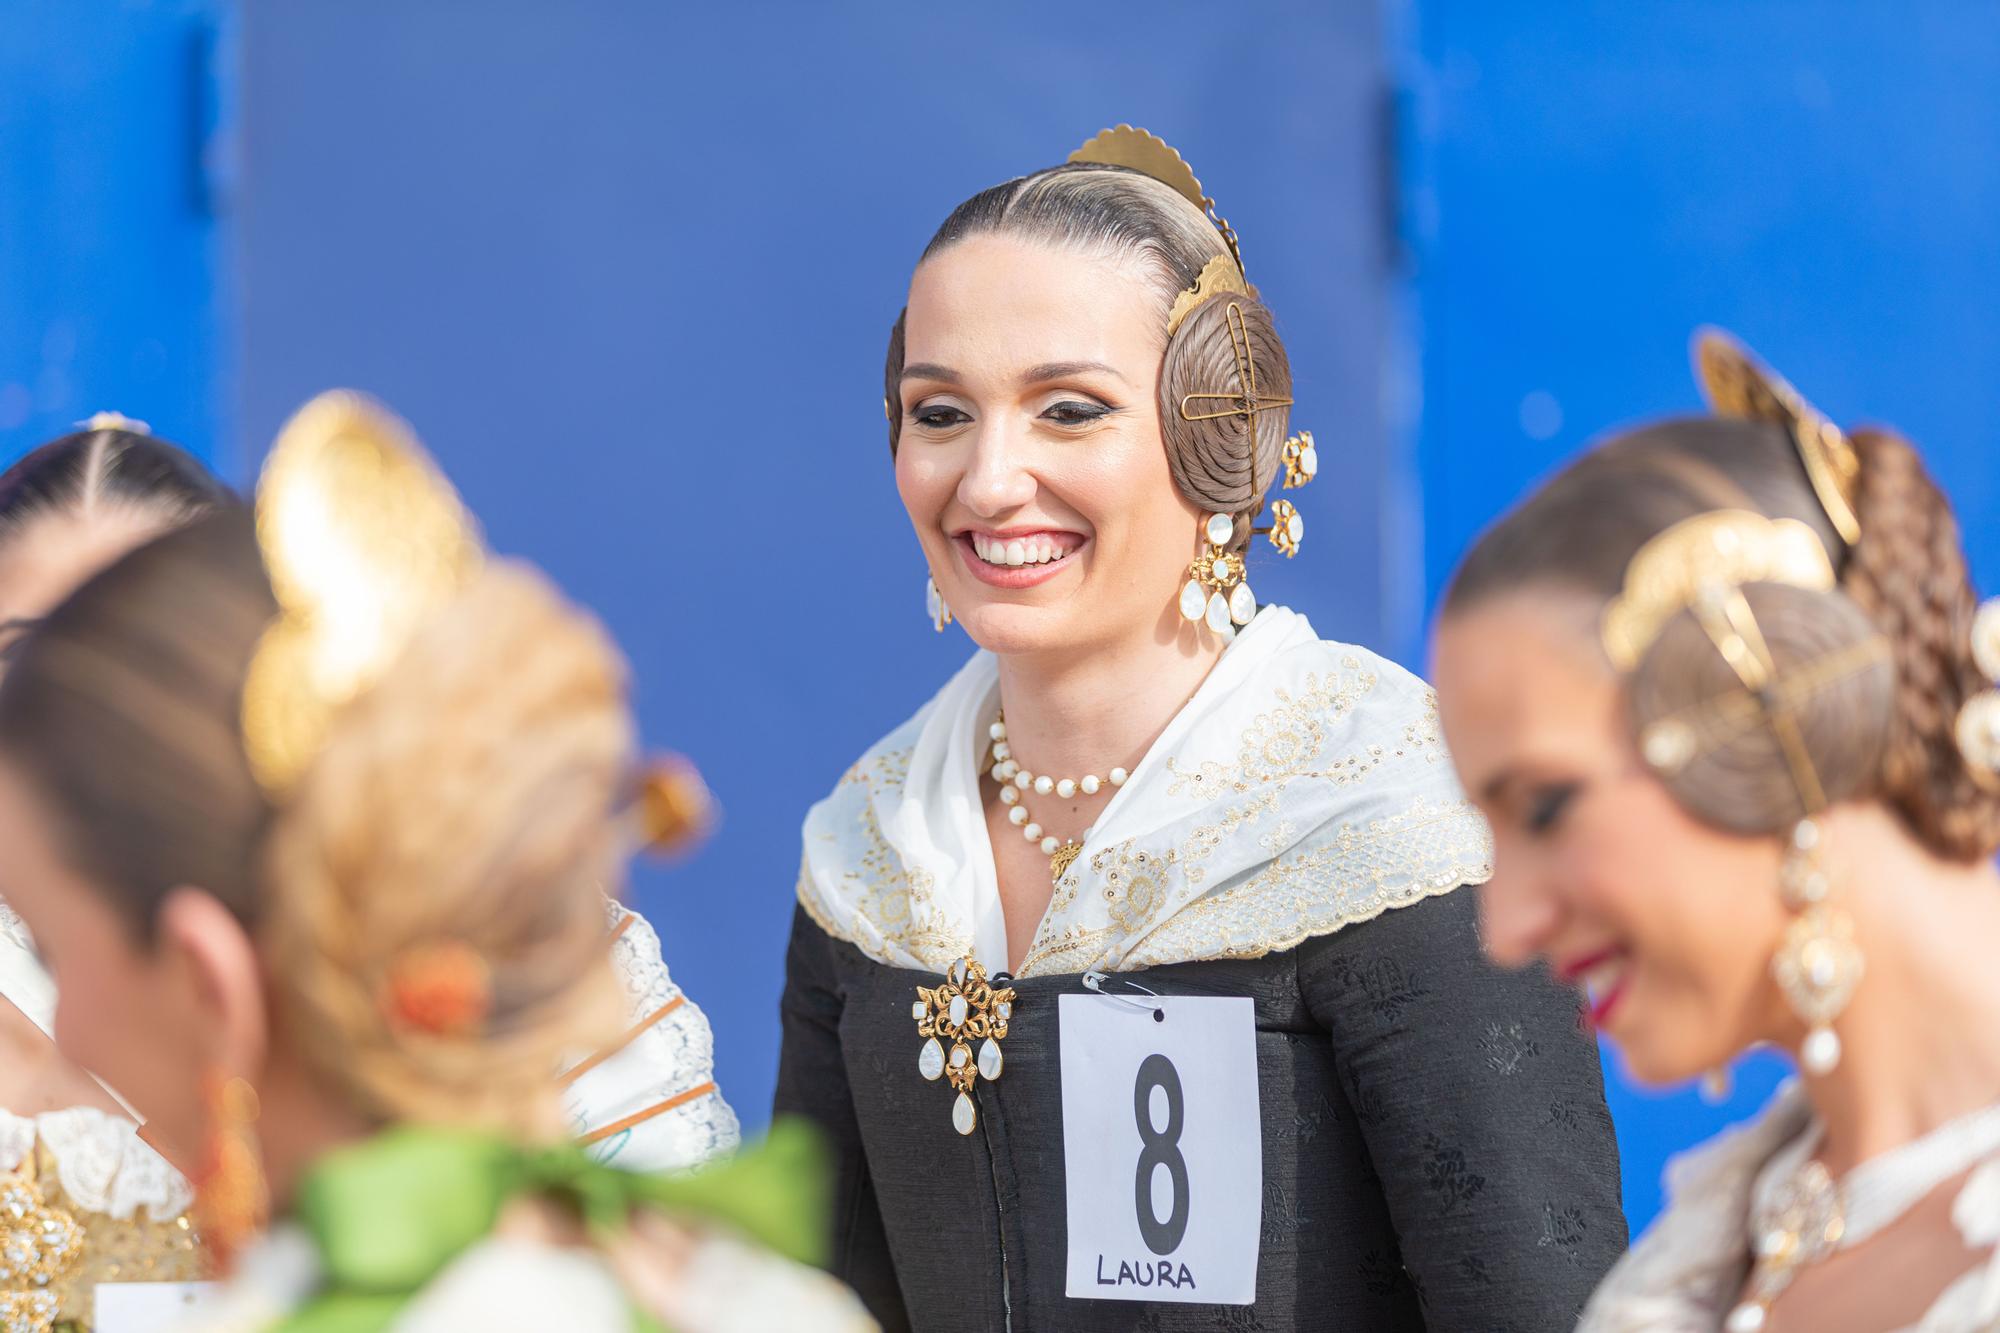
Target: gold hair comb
(1150, 155)
(363, 539)
(1700, 557)
(1738, 385)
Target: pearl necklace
(1811, 1215)
(1016, 781)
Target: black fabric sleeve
(1481, 1102)
(812, 1083)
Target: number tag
(1163, 1151)
(149, 1307)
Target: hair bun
(1731, 769)
(1218, 463)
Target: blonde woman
(311, 816)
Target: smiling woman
(1148, 798)
(1720, 687)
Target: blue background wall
(629, 268)
(116, 168)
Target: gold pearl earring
(1217, 593)
(1818, 963)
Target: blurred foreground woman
(311, 818)
(1722, 693)
(83, 1201)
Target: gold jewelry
(966, 1008)
(1817, 964)
(1700, 565)
(1150, 155)
(1244, 400)
(363, 539)
(1739, 385)
(41, 1250)
(934, 607)
(1217, 592)
(232, 1198)
(1287, 528)
(1218, 275)
(1722, 549)
(1301, 460)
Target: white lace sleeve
(105, 1167)
(670, 1062)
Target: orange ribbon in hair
(444, 989)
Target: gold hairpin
(1150, 155)
(1245, 401)
(1220, 274)
(1739, 385)
(1700, 558)
(363, 539)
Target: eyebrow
(1048, 370)
(928, 370)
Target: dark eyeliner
(1546, 806)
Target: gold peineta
(363, 539)
(1702, 557)
(1150, 155)
(1739, 385)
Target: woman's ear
(209, 953)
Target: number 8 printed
(1162, 1147)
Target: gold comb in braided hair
(1739, 385)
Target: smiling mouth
(1602, 978)
(1035, 548)
(1021, 560)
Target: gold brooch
(41, 1248)
(966, 1008)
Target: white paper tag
(148, 1307)
(1163, 1151)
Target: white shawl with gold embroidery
(1303, 788)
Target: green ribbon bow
(389, 1215)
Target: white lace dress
(1689, 1269)
(650, 1102)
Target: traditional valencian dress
(429, 1229)
(94, 1204)
(1428, 1145)
(1917, 1233)
(82, 1201)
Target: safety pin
(1095, 982)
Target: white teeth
(1599, 980)
(1018, 551)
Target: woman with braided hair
(1129, 977)
(1721, 689)
(312, 812)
